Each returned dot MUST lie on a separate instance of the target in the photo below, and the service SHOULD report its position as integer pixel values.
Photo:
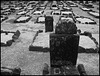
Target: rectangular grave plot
(38, 45)
(68, 17)
(63, 48)
(23, 20)
(95, 14)
(56, 13)
(7, 37)
(40, 19)
(37, 12)
(4, 18)
(21, 13)
(88, 5)
(85, 9)
(85, 20)
(6, 40)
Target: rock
(96, 36)
(86, 33)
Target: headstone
(63, 48)
(48, 24)
(63, 53)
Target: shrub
(66, 27)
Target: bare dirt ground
(31, 62)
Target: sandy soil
(90, 62)
(31, 62)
